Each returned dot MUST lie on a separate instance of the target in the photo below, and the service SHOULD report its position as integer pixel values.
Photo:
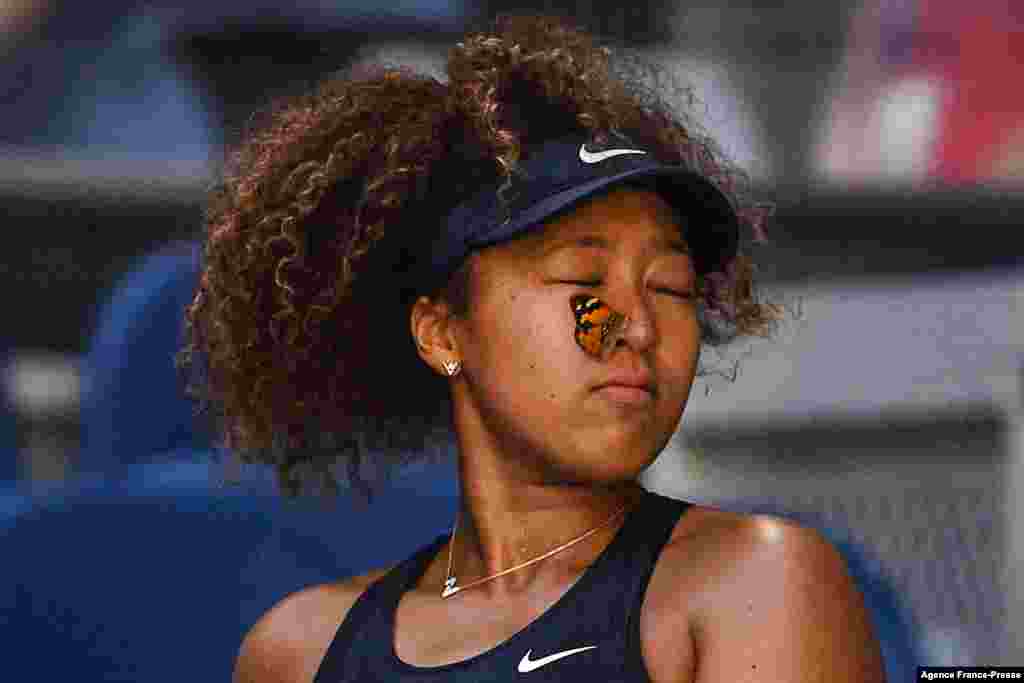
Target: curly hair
(298, 335)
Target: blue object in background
(103, 79)
(156, 576)
(134, 408)
(98, 79)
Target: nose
(637, 330)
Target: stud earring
(452, 367)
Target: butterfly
(598, 327)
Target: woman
(532, 255)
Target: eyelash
(670, 292)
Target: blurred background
(890, 135)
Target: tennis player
(528, 257)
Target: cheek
(531, 351)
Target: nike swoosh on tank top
(601, 609)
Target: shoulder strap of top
(364, 610)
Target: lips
(618, 394)
(636, 381)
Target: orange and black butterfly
(597, 325)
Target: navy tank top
(592, 632)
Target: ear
(431, 326)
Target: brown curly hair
(298, 336)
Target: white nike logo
(526, 665)
(594, 157)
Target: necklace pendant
(449, 588)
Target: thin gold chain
(450, 588)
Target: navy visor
(565, 171)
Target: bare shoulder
(772, 599)
(289, 641)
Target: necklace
(451, 589)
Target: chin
(594, 471)
(620, 471)
(637, 447)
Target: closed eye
(681, 295)
(662, 290)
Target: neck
(498, 532)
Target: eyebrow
(596, 241)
